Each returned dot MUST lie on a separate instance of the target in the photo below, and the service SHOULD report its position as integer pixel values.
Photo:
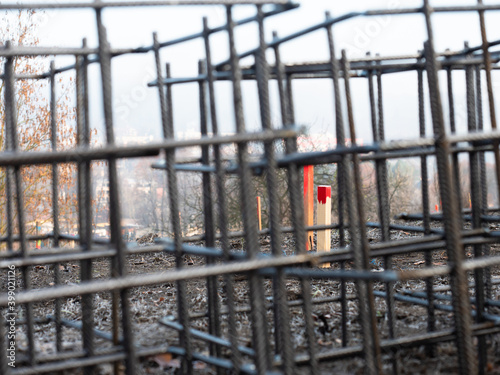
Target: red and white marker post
(309, 203)
(324, 218)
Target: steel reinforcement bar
(262, 312)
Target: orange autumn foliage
(34, 131)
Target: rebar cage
(260, 327)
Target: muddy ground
(150, 304)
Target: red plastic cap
(323, 193)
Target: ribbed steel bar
(341, 180)
(110, 4)
(84, 207)
(489, 86)
(280, 7)
(449, 198)
(152, 149)
(357, 227)
(9, 196)
(221, 200)
(283, 342)
(413, 341)
(55, 202)
(296, 203)
(270, 263)
(383, 201)
(119, 267)
(236, 267)
(209, 224)
(277, 9)
(297, 212)
(453, 130)
(247, 194)
(483, 178)
(12, 142)
(165, 98)
(342, 18)
(319, 70)
(367, 153)
(428, 243)
(98, 5)
(429, 282)
(440, 217)
(475, 203)
(280, 78)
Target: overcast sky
(137, 106)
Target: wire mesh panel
(213, 288)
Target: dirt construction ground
(150, 304)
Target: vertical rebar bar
(359, 240)
(209, 225)
(475, 205)
(297, 216)
(289, 96)
(166, 109)
(453, 129)
(280, 79)
(491, 97)
(119, 261)
(55, 201)
(84, 203)
(384, 205)
(458, 277)
(11, 126)
(222, 204)
(483, 176)
(341, 182)
(257, 298)
(283, 343)
(424, 173)
(289, 145)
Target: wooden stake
(309, 203)
(259, 213)
(324, 218)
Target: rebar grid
(467, 236)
